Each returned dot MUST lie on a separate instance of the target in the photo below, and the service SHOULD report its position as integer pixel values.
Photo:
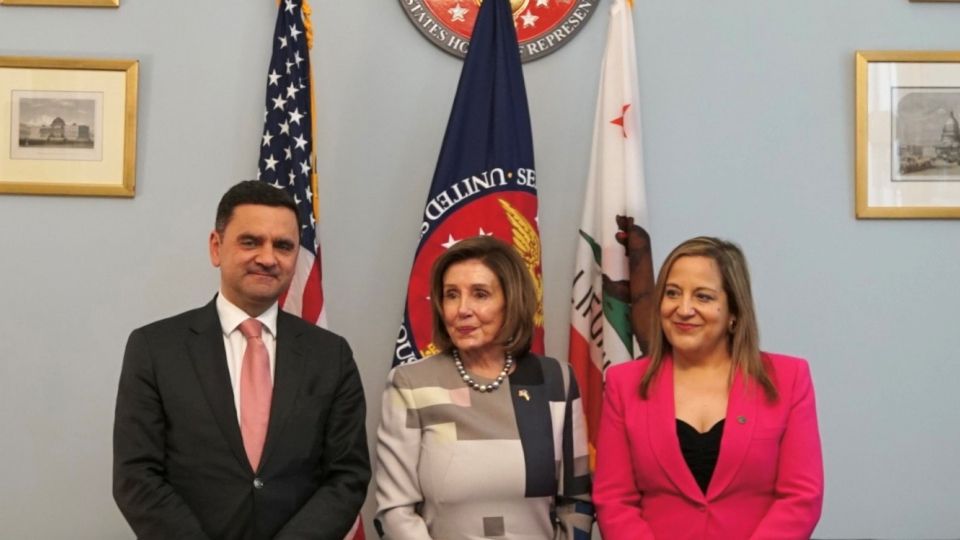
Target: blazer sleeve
(149, 503)
(574, 506)
(618, 500)
(344, 467)
(398, 456)
(799, 487)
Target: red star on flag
(619, 120)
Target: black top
(700, 450)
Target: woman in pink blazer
(708, 437)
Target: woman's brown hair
(519, 293)
(744, 340)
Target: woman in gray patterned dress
(483, 439)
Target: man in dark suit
(223, 432)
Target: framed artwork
(907, 134)
(71, 3)
(68, 126)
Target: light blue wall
(748, 126)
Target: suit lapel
(287, 376)
(738, 427)
(205, 347)
(662, 429)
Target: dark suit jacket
(179, 467)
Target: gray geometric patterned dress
(457, 464)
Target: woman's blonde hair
(744, 340)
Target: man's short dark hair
(251, 192)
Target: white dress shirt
(235, 344)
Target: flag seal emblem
(543, 26)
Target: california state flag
(612, 297)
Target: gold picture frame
(68, 126)
(68, 3)
(907, 134)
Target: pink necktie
(256, 390)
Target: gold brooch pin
(524, 394)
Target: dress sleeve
(574, 506)
(398, 456)
(619, 502)
(799, 486)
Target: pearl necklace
(507, 364)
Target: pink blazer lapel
(742, 410)
(662, 430)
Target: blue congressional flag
(485, 181)
(287, 155)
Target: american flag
(288, 159)
(287, 156)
